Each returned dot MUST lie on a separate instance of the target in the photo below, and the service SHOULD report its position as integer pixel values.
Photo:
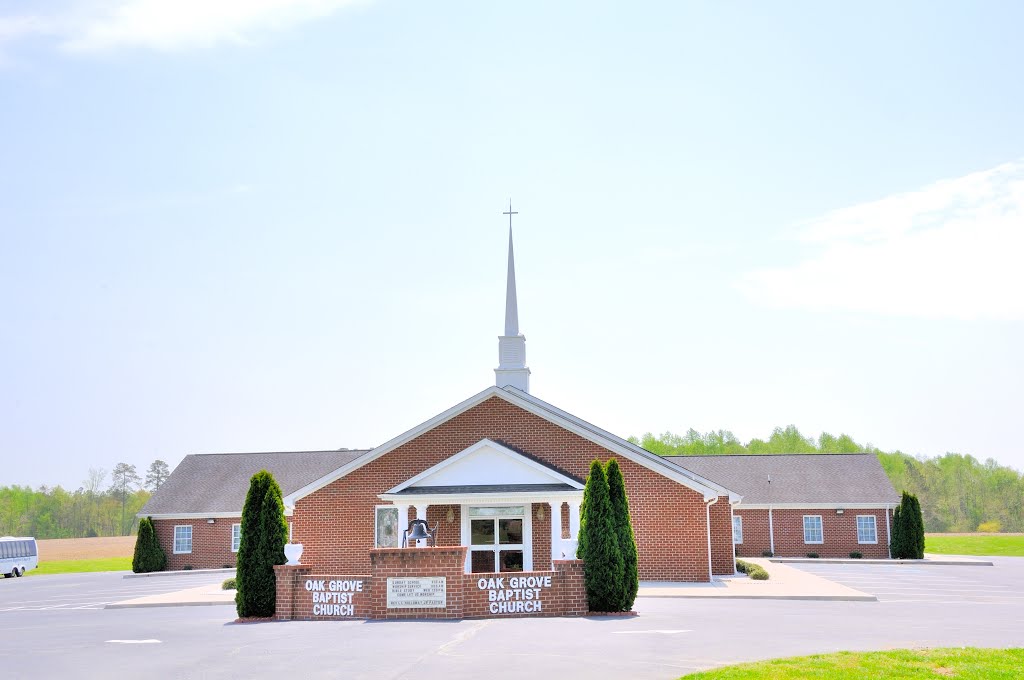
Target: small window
(236, 537)
(866, 531)
(812, 529)
(737, 529)
(386, 527)
(182, 539)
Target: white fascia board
(555, 477)
(198, 515)
(518, 497)
(543, 410)
(814, 506)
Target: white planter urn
(293, 551)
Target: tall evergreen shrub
(264, 532)
(149, 556)
(624, 534)
(908, 529)
(603, 568)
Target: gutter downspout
(888, 532)
(732, 525)
(771, 527)
(707, 513)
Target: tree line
(957, 492)
(104, 505)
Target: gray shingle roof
(844, 478)
(218, 482)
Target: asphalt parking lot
(71, 637)
(907, 583)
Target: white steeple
(512, 368)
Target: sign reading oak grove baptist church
(417, 593)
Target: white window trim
(175, 539)
(526, 546)
(234, 546)
(735, 519)
(874, 529)
(821, 529)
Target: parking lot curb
(920, 563)
(189, 572)
(139, 605)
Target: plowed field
(57, 549)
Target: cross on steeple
(510, 213)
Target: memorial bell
(419, 530)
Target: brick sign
(333, 597)
(428, 592)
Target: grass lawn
(990, 544)
(963, 663)
(79, 566)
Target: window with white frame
(386, 527)
(497, 540)
(737, 529)
(866, 530)
(812, 529)
(236, 537)
(182, 539)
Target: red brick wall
(211, 543)
(721, 537)
(335, 523)
(839, 533)
(302, 595)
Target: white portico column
(421, 513)
(574, 521)
(556, 531)
(403, 521)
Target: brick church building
(502, 473)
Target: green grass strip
(963, 663)
(995, 545)
(81, 566)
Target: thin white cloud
(165, 25)
(950, 250)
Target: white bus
(18, 554)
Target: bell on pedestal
(418, 530)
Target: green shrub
(264, 532)
(187, 567)
(752, 570)
(993, 527)
(767, 553)
(856, 555)
(603, 566)
(149, 556)
(813, 556)
(624, 533)
(229, 584)
(907, 542)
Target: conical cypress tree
(624, 534)
(264, 532)
(918, 528)
(603, 568)
(897, 534)
(149, 556)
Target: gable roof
(542, 409)
(215, 484)
(798, 479)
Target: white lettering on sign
(522, 595)
(333, 597)
(429, 592)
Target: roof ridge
(270, 453)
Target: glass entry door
(496, 539)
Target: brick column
(288, 577)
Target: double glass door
(496, 539)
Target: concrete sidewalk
(930, 559)
(785, 583)
(203, 595)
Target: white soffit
(486, 462)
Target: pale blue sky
(277, 225)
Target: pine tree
(149, 556)
(908, 529)
(895, 545)
(918, 528)
(264, 532)
(603, 568)
(624, 534)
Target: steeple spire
(511, 305)
(512, 370)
